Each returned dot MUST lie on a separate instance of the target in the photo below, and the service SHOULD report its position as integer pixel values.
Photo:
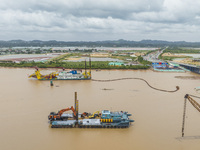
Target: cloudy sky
(92, 20)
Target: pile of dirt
(188, 77)
(172, 55)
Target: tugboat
(105, 119)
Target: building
(116, 64)
(160, 65)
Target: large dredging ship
(103, 119)
(64, 75)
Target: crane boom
(67, 109)
(59, 114)
(194, 103)
(95, 114)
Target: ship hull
(67, 79)
(71, 124)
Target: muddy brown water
(25, 105)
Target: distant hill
(116, 43)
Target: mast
(184, 112)
(76, 106)
(90, 65)
(85, 68)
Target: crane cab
(105, 114)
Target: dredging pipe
(177, 87)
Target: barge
(103, 119)
(64, 75)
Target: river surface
(25, 105)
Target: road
(153, 56)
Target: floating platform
(121, 120)
(64, 75)
(103, 119)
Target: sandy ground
(172, 55)
(188, 77)
(139, 54)
(187, 61)
(100, 55)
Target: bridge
(193, 68)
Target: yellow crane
(95, 114)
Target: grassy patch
(182, 50)
(72, 65)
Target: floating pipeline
(177, 87)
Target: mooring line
(177, 87)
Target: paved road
(153, 57)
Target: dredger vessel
(64, 75)
(103, 119)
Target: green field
(182, 50)
(71, 65)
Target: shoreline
(72, 68)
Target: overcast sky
(92, 20)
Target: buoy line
(177, 87)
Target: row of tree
(71, 65)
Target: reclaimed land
(169, 53)
(182, 50)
